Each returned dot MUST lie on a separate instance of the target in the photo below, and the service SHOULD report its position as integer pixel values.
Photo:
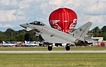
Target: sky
(16, 12)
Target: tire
(49, 47)
(67, 47)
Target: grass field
(45, 48)
(53, 60)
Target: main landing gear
(50, 46)
(67, 47)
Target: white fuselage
(54, 32)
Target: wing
(53, 39)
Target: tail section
(3, 42)
(82, 31)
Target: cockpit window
(37, 23)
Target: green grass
(45, 48)
(53, 60)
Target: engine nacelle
(81, 43)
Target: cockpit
(37, 23)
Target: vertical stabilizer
(82, 31)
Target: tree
(27, 36)
(9, 33)
(103, 29)
(96, 31)
(19, 37)
(2, 36)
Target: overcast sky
(15, 12)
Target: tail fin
(82, 31)
(3, 42)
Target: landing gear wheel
(49, 47)
(67, 47)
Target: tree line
(97, 32)
(22, 35)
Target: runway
(58, 52)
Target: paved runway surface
(31, 52)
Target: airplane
(31, 43)
(6, 44)
(50, 35)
